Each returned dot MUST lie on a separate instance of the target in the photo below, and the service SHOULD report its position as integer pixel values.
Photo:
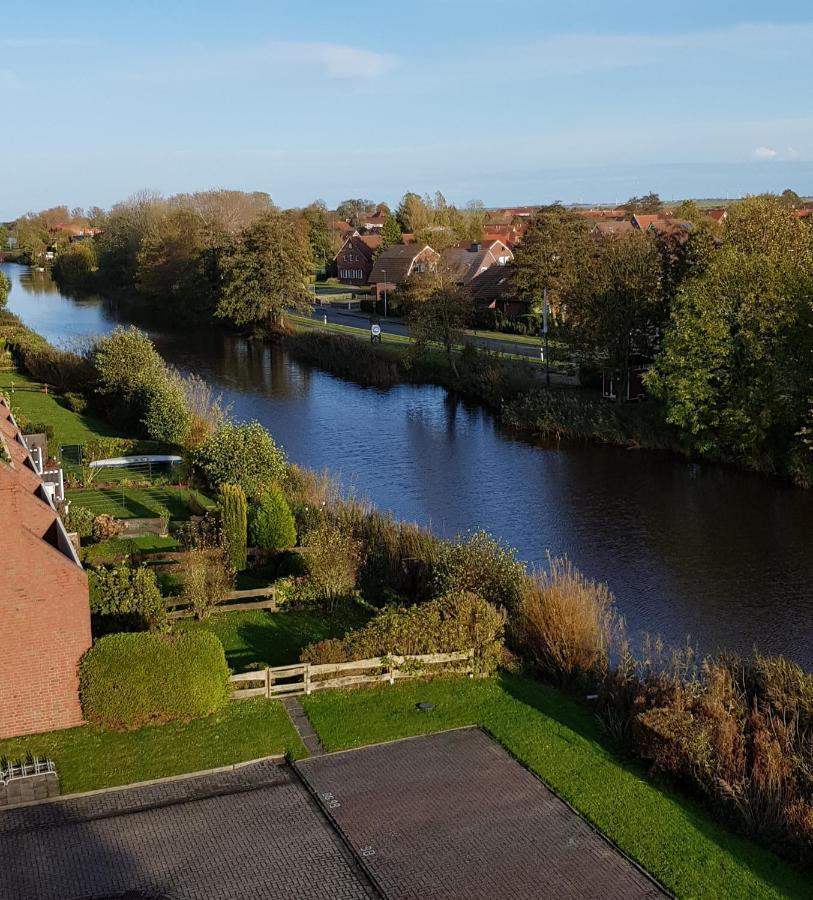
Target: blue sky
(508, 103)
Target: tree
(126, 359)
(174, 262)
(266, 272)
(333, 557)
(76, 264)
(206, 578)
(553, 255)
(438, 311)
(791, 198)
(241, 453)
(165, 416)
(319, 234)
(234, 517)
(5, 288)
(271, 524)
(765, 224)
(413, 213)
(649, 204)
(125, 227)
(737, 360)
(32, 235)
(618, 310)
(390, 234)
(354, 210)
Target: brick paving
(452, 815)
(254, 832)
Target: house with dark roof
(467, 260)
(492, 289)
(605, 227)
(44, 604)
(354, 261)
(398, 263)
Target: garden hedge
(130, 680)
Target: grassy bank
(561, 741)
(88, 758)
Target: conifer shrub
(131, 680)
(271, 523)
(234, 513)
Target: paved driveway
(452, 815)
(251, 833)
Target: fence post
(307, 678)
(268, 683)
(392, 673)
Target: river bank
(688, 549)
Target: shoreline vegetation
(714, 315)
(721, 738)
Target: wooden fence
(304, 678)
(265, 598)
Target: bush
(130, 680)
(458, 621)
(75, 402)
(207, 576)
(271, 524)
(79, 519)
(482, 566)
(234, 523)
(105, 448)
(106, 527)
(243, 454)
(565, 622)
(165, 416)
(333, 559)
(130, 596)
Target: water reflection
(689, 550)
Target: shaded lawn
(561, 740)
(258, 638)
(137, 503)
(88, 757)
(69, 427)
(116, 549)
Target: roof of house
(671, 226)
(602, 213)
(364, 243)
(341, 226)
(394, 265)
(491, 284)
(642, 221)
(717, 214)
(25, 509)
(470, 259)
(613, 226)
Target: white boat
(120, 461)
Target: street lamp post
(385, 292)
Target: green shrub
(129, 595)
(78, 519)
(234, 523)
(240, 453)
(106, 527)
(458, 621)
(130, 680)
(482, 566)
(271, 524)
(333, 557)
(75, 402)
(165, 416)
(106, 448)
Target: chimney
(475, 247)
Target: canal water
(691, 551)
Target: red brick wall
(44, 630)
(352, 258)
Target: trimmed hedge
(130, 680)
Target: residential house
(492, 289)
(43, 599)
(397, 263)
(510, 235)
(374, 223)
(342, 228)
(470, 259)
(605, 227)
(354, 261)
(718, 215)
(75, 232)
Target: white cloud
(334, 60)
(763, 153)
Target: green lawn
(69, 427)
(88, 758)
(560, 740)
(137, 503)
(257, 638)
